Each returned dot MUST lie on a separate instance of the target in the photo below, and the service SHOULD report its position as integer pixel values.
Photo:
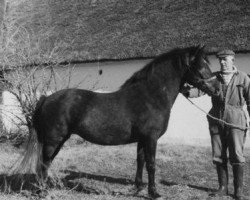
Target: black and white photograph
(124, 99)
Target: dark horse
(138, 112)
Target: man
(229, 132)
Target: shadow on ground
(68, 182)
(201, 188)
(72, 181)
(29, 182)
(197, 187)
(18, 182)
(75, 175)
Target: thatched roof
(123, 29)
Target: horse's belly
(107, 135)
(106, 126)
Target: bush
(29, 72)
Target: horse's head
(199, 74)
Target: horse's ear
(202, 47)
(199, 50)
(199, 46)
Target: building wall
(2, 8)
(10, 113)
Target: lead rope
(217, 119)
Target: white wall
(11, 114)
(187, 123)
(12, 117)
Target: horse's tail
(31, 161)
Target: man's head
(226, 60)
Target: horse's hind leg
(51, 147)
(140, 165)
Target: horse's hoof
(141, 187)
(139, 190)
(158, 197)
(155, 195)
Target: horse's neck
(165, 89)
(160, 83)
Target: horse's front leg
(149, 147)
(140, 164)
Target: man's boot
(238, 171)
(222, 172)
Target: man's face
(226, 63)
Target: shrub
(29, 72)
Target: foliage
(28, 82)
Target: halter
(199, 80)
(187, 61)
(205, 80)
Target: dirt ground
(87, 171)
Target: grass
(87, 171)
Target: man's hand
(185, 90)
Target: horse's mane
(146, 71)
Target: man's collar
(235, 70)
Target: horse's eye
(192, 59)
(205, 61)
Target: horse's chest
(154, 122)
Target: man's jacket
(228, 106)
